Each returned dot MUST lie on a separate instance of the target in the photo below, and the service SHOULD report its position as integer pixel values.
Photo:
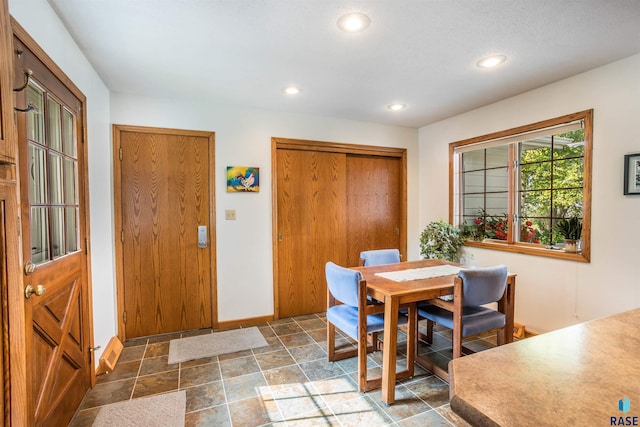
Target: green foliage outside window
(552, 184)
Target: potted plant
(441, 240)
(571, 230)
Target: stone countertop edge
(466, 411)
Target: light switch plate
(230, 214)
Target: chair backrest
(483, 285)
(380, 256)
(343, 283)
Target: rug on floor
(160, 410)
(198, 347)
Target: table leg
(391, 306)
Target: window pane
(567, 203)
(55, 132)
(55, 178)
(68, 136)
(37, 179)
(535, 150)
(39, 235)
(473, 160)
(497, 203)
(473, 204)
(498, 156)
(497, 179)
(57, 231)
(496, 226)
(35, 119)
(568, 173)
(530, 230)
(535, 204)
(70, 195)
(72, 229)
(535, 176)
(473, 182)
(570, 144)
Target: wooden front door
(54, 240)
(332, 201)
(164, 196)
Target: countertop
(571, 376)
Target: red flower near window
(497, 227)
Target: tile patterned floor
(288, 383)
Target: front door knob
(30, 290)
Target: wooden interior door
(374, 203)
(165, 193)
(54, 239)
(311, 203)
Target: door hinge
(120, 153)
(122, 236)
(124, 317)
(86, 244)
(19, 226)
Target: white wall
(40, 21)
(243, 137)
(552, 293)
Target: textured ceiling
(421, 53)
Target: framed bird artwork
(243, 179)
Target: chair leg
(331, 342)
(362, 363)
(457, 342)
(429, 336)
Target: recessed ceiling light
(291, 90)
(353, 22)
(396, 106)
(491, 61)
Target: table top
(572, 376)
(380, 287)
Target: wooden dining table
(396, 293)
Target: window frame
(522, 247)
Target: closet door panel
(312, 213)
(374, 204)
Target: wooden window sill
(526, 249)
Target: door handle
(202, 236)
(29, 291)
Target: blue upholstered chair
(465, 315)
(353, 313)
(379, 256)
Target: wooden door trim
(117, 201)
(278, 143)
(15, 361)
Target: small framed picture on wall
(632, 174)
(243, 179)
